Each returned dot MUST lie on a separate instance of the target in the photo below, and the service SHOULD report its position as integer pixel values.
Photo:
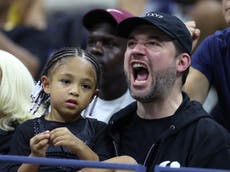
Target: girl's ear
(96, 93)
(45, 84)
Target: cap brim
(128, 25)
(96, 16)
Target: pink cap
(113, 16)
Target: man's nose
(138, 48)
(97, 49)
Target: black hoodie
(193, 139)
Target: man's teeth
(138, 65)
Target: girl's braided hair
(39, 97)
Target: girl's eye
(85, 86)
(65, 81)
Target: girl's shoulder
(28, 124)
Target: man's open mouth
(140, 72)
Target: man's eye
(109, 44)
(131, 44)
(150, 43)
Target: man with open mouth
(164, 127)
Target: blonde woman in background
(16, 85)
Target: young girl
(68, 83)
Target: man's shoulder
(204, 123)
(218, 38)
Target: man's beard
(164, 81)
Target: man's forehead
(101, 25)
(102, 36)
(104, 28)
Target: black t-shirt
(5, 141)
(139, 135)
(6, 138)
(90, 131)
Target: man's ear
(45, 84)
(184, 61)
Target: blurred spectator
(210, 68)
(27, 25)
(25, 56)
(134, 8)
(210, 20)
(104, 43)
(15, 89)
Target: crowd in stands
(139, 83)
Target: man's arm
(27, 58)
(196, 85)
(119, 159)
(194, 31)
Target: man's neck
(160, 108)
